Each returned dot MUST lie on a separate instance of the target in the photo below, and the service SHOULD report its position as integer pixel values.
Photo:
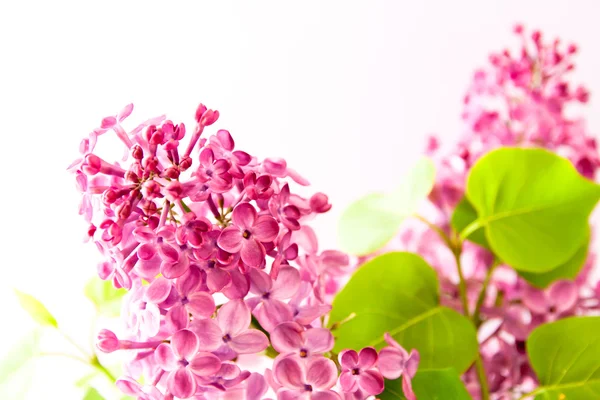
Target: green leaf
(105, 296)
(533, 205)
(36, 310)
(85, 380)
(17, 367)
(568, 270)
(565, 355)
(463, 215)
(398, 293)
(429, 384)
(369, 223)
(92, 394)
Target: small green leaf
(568, 270)
(533, 205)
(36, 310)
(429, 384)
(565, 355)
(92, 394)
(370, 222)
(106, 298)
(463, 215)
(84, 381)
(398, 293)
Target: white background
(345, 91)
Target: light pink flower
(310, 379)
(394, 361)
(359, 372)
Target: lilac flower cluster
(523, 100)
(214, 249)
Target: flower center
(355, 371)
(552, 309)
(303, 353)
(308, 388)
(183, 362)
(226, 338)
(246, 234)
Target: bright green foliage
(533, 205)
(398, 293)
(429, 384)
(370, 222)
(36, 309)
(565, 355)
(464, 214)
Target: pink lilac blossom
(214, 249)
(524, 99)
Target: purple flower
(184, 363)
(359, 372)
(290, 337)
(247, 234)
(310, 379)
(394, 362)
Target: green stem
(77, 346)
(485, 390)
(462, 284)
(437, 229)
(96, 364)
(469, 229)
(481, 298)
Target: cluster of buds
(523, 100)
(214, 249)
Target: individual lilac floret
(359, 372)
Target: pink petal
(205, 364)
(260, 282)
(289, 372)
(391, 362)
(165, 357)
(201, 305)
(234, 317)
(249, 342)
(318, 340)
(209, 335)
(407, 388)
(125, 112)
(306, 239)
(390, 340)
(287, 337)
(348, 382)
(146, 251)
(188, 282)
(371, 382)
(128, 386)
(535, 300)
(321, 373)
(217, 279)
(242, 158)
(175, 270)
(239, 286)
(225, 139)
(286, 394)
(253, 253)
(413, 363)
(230, 239)
(272, 313)
(244, 216)
(108, 122)
(563, 294)
(287, 283)
(177, 318)
(256, 387)
(367, 357)
(150, 320)
(182, 383)
(348, 359)
(325, 395)
(265, 228)
(185, 344)
(158, 291)
(168, 253)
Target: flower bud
(107, 341)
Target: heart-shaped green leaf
(398, 293)
(370, 222)
(533, 205)
(429, 384)
(565, 355)
(36, 309)
(568, 270)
